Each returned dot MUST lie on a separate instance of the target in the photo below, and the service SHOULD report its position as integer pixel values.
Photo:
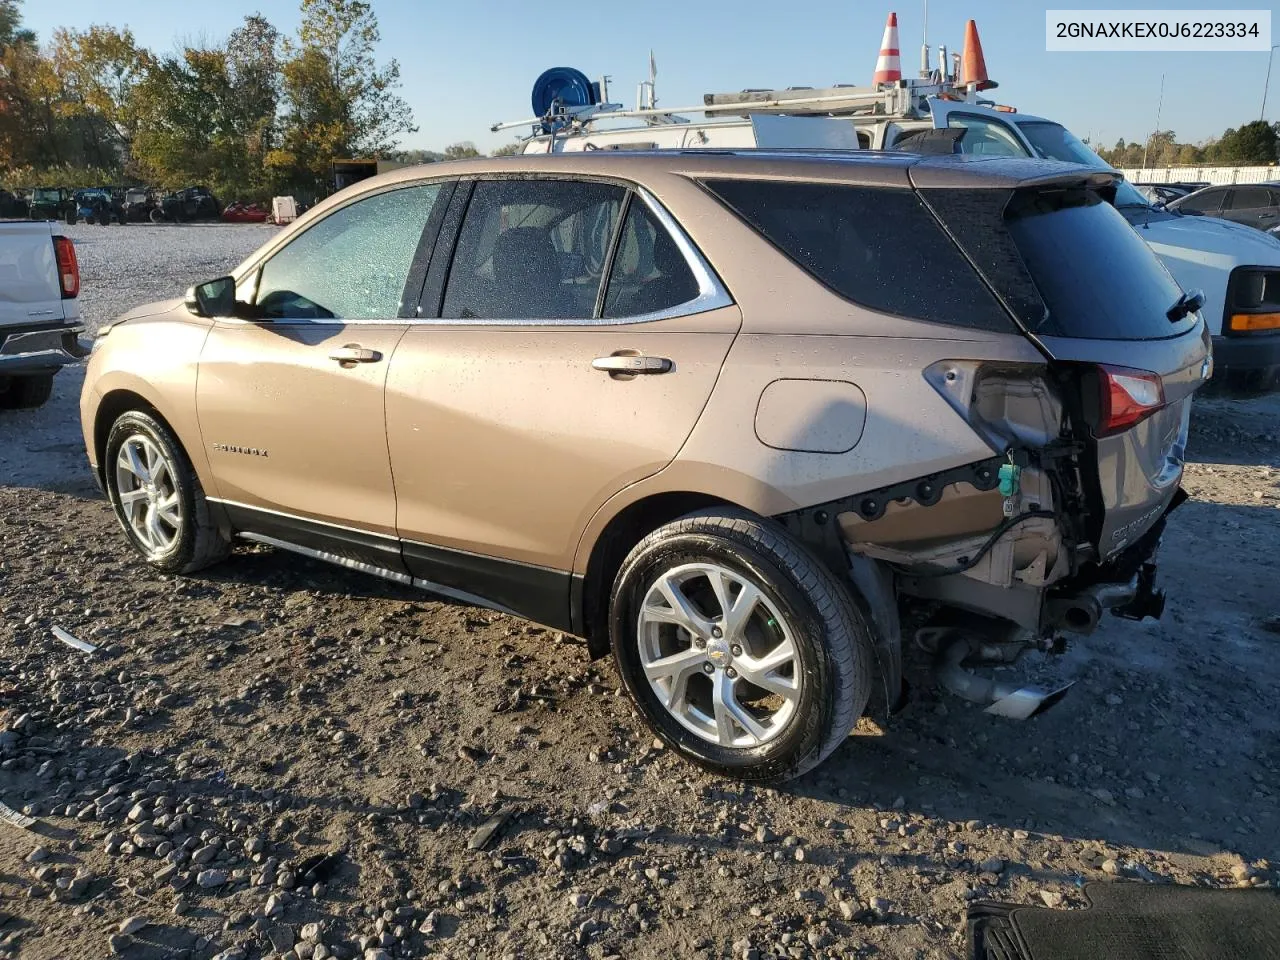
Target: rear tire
(157, 497)
(27, 392)
(762, 692)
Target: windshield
(1053, 141)
(45, 196)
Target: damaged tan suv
(744, 420)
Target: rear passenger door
(570, 336)
(1252, 206)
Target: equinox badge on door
(232, 448)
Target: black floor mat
(1133, 921)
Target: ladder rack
(907, 98)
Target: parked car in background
(11, 206)
(1162, 193)
(757, 400)
(137, 205)
(52, 203)
(237, 212)
(190, 203)
(99, 205)
(1253, 204)
(39, 311)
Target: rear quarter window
(1065, 260)
(878, 247)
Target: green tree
(253, 73)
(463, 150)
(416, 156)
(1253, 143)
(1189, 155)
(188, 110)
(99, 69)
(12, 32)
(508, 150)
(339, 102)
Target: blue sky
(467, 65)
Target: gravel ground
(276, 758)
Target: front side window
(353, 264)
(986, 138)
(533, 250)
(649, 272)
(1206, 201)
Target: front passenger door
(1203, 203)
(291, 401)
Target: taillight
(68, 267)
(1128, 396)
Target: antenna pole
(1159, 107)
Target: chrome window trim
(712, 294)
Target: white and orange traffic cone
(973, 66)
(889, 65)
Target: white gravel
(124, 267)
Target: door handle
(629, 363)
(354, 353)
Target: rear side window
(879, 247)
(1067, 263)
(533, 249)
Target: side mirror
(215, 298)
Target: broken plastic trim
(1002, 699)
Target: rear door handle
(354, 353)
(632, 364)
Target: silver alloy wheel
(148, 492)
(718, 655)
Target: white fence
(1214, 175)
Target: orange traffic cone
(889, 66)
(973, 66)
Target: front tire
(157, 496)
(738, 647)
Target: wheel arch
(120, 400)
(627, 527)
(869, 582)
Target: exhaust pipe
(1003, 699)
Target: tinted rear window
(1065, 261)
(879, 247)
(1098, 279)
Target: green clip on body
(1009, 473)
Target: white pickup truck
(39, 314)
